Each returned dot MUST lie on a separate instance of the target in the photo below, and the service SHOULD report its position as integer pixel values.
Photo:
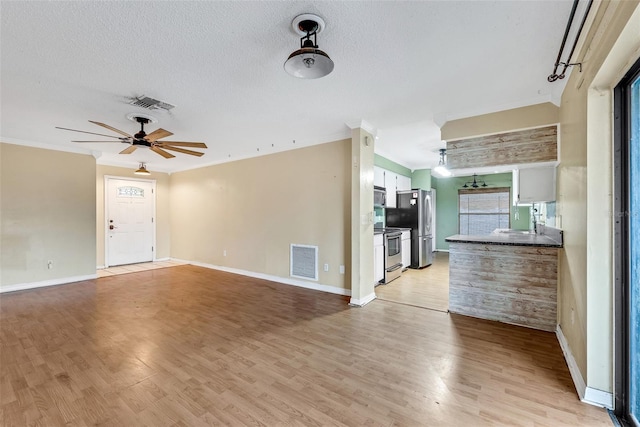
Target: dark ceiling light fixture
(441, 169)
(142, 170)
(566, 64)
(476, 183)
(308, 62)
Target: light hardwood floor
(188, 346)
(427, 287)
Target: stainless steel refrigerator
(414, 211)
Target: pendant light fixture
(142, 170)
(441, 169)
(476, 183)
(308, 62)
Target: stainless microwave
(379, 196)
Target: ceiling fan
(146, 140)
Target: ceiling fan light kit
(308, 62)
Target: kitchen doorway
(129, 221)
(427, 287)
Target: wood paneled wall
(525, 146)
(511, 284)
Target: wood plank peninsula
(507, 276)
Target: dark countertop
(510, 239)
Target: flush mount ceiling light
(142, 170)
(308, 62)
(441, 169)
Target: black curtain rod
(554, 75)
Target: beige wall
(47, 200)
(163, 228)
(585, 191)
(255, 208)
(502, 121)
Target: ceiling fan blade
(129, 150)
(97, 141)
(84, 131)
(182, 144)
(158, 134)
(161, 152)
(182, 150)
(111, 128)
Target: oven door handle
(395, 267)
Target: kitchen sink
(510, 231)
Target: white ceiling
(398, 65)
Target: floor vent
(150, 103)
(304, 262)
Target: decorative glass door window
(130, 191)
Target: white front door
(130, 208)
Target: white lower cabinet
(378, 254)
(406, 249)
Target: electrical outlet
(224, 252)
(342, 269)
(326, 267)
(49, 264)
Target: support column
(362, 259)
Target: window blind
(482, 211)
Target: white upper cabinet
(404, 183)
(378, 176)
(533, 185)
(392, 182)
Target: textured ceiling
(398, 65)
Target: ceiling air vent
(150, 103)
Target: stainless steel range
(393, 255)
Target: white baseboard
(589, 395)
(596, 397)
(44, 283)
(578, 381)
(100, 267)
(363, 301)
(441, 250)
(284, 280)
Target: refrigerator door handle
(427, 206)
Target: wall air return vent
(304, 262)
(150, 103)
